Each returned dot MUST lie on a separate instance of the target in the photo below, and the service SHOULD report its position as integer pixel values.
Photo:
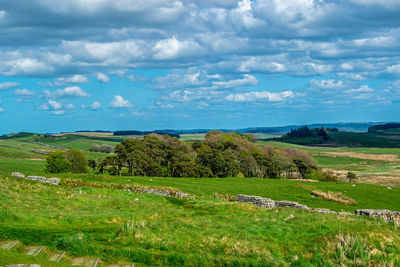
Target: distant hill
(342, 126)
(382, 127)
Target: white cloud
(246, 80)
(362, 89)
(8, 85)
(75, 79)
(70, 106)
(102, 77)
(68, 92)
(120, 102)
(95, 105)
(1, 110)
(260, 96)
(23, 92)
(173, 48)
(58, 112)
(326, 84)
(26, 66)
(51, 105)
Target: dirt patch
(36, 159)
(384, 157)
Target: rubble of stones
(42, 179)
(162, 192)
(387, 215)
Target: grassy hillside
(208, 230)
(204, 231)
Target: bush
(77, 160)
(327, 176)
(351, 176)
(56, 162)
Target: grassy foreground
(205, 231)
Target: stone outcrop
(256, 200)
(387, 215)
(18, 175)
(42, 179)
(162, 192)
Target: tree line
(219, 155)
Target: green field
(151, 230)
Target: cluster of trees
(219, 155)
(72, 160)
(307, 132)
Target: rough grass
(159, 231)
(332, 196)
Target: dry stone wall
(387, 215)
(42, 179)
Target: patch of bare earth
(384, 157)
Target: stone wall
(387, 215)
(42, 179)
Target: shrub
(327, 176)
(56, 162)
(78, 160)
(351, 176)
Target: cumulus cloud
(61, 81)
(260, 96)
(23, 94)
(173, 48)
(8, 85)
(67, 92)
(51, 105)
(120, 102)
(95, 105)
(102, 77)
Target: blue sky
(177, 64)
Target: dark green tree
(57, 163)
(77, 159)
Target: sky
(177, 64)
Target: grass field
(150, 230)
(204, 231)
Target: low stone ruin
(163, 192)
(269, 203)
(387, 215)
(18, 175)
(42, 179)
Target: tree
(57, 163)
(77, 159)
(351, 176)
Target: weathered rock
(54, 180)
(163, 192)
(257, 200)
(41, 179)
(290, 204)
(386, 215)
(18, 175)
